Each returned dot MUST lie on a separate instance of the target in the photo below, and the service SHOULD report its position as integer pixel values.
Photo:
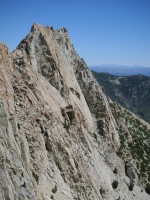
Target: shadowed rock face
(129, 169)
(59, 133)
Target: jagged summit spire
(36, 25)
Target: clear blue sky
(102, 31)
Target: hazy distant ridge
(122, 70)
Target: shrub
(102, 191)
(76, 198)
(115, 171)
(66, 126)
(36, 177)
(95, 136)
(131, 186)
(54, 190)
(147, 189)
(119, 153)
(115, 184)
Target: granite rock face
(59, 133)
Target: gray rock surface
(58, 130)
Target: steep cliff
(59, 134)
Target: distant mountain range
(132, 92)
(122, 70)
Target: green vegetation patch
(102, 191)
(115, 184)
(36, 177)
(54, 190)
(139, 146)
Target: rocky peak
(6, 69)
(60, 136)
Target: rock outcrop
(59, 133)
